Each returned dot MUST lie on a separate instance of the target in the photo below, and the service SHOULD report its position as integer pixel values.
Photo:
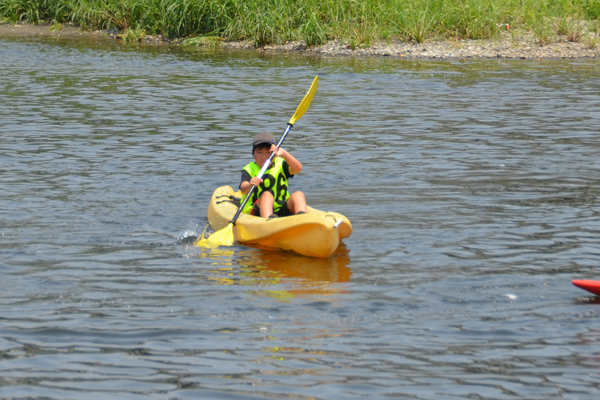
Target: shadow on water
(588, 300)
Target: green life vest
(274, 181)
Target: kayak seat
(236, 201)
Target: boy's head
(263, 140)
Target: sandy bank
(509, 45)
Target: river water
(472, 187)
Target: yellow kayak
(315, 234)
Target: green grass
(358, 22)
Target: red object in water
(590, 286)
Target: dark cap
(261, 138)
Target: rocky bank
(509, 45)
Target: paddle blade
(224, 237)
(305, 102)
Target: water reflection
(281, 274)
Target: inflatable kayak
(590, 286)
(315, 234)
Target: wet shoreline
(509, 45)
(523, 47)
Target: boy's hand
(255, 181)
(278, 152)
(295, 166)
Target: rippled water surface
(472, 188)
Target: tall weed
(313, 32)
(416, 23)
(315, 21)
(543, 32)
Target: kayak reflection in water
(281, 274)
(271, 198)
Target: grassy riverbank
(358, 22)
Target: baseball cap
(264, 137)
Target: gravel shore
(509, 45)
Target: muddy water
(472, 188)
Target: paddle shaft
(264, 169)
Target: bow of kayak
(315, 234)
(589, 285)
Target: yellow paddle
(224, 237)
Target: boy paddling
(271, 198)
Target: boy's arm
(248, 181)
(295, 165)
